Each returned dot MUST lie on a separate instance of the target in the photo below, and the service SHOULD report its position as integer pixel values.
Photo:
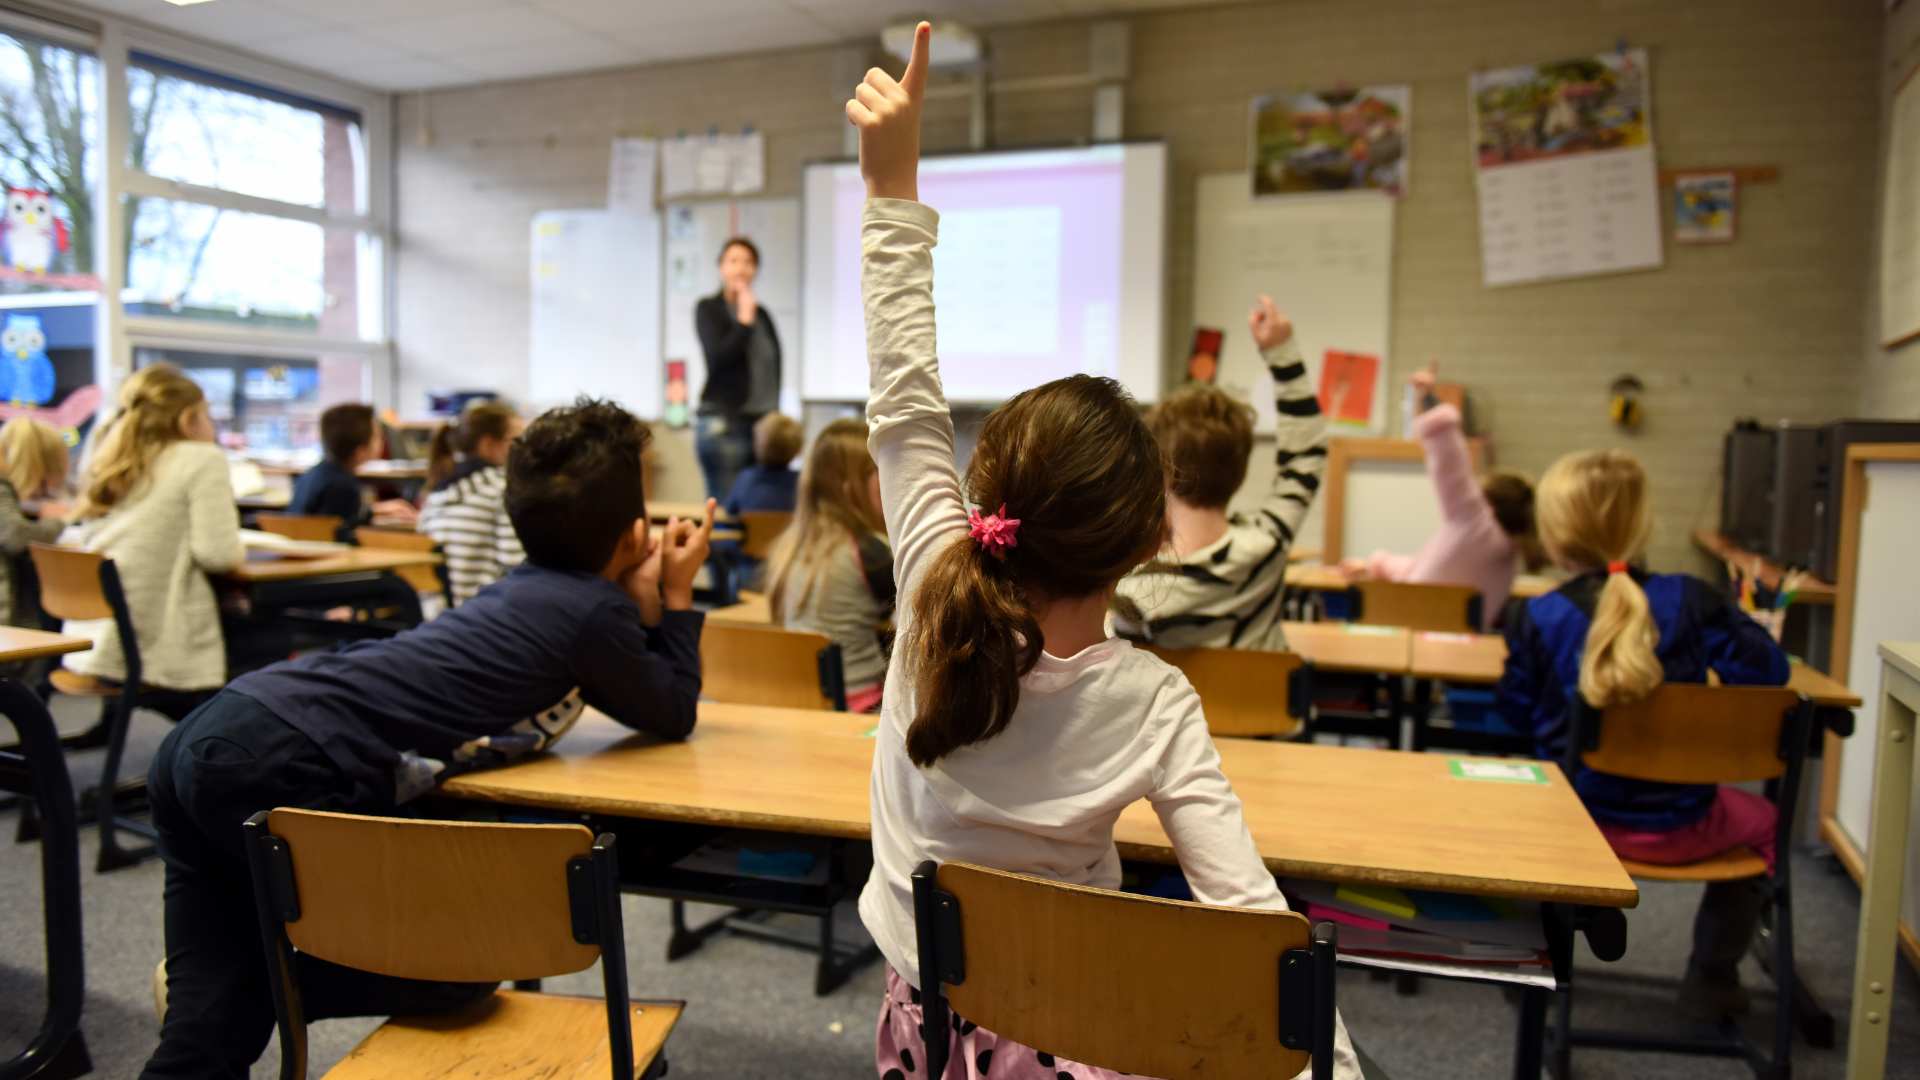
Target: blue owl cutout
(26, 371)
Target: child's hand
(888, 116)
(1353, 569)
(683, 548)
(1422, 381)
(397, 509)
(1269, 326)
(643, 584)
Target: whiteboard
(1327, 261)
(1900, 219)
(1882, 611)
(694, 233)
(1389, 506)
(595, 325)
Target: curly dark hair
(574, 484)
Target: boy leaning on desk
(601, 614)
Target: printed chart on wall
(695, 232)
(1564, 161)
(1327, 261)
(1900, 221)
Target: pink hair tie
(995, 532)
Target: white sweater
(179, 526)
(1093, 732)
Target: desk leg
(1528, 1046)
(1880, 889)
(1422, 714)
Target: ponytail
(974, 635)
(1618, 665)
(440, 455)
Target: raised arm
(1300, 431)
(911, 430)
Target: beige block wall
(1770, 326)
(1891, 377)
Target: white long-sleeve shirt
(1093, 732)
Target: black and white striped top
(467, 517)
(1227, 594)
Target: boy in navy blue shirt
(770, 483)
(599, 615)
(349, 438)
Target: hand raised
(1269, 326)
(1422, 381)
(683, 549)
(887, 112)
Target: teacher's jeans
(724, 443)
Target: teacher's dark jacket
(724, 339)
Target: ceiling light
(187, 3)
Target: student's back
(764, 487)
(158, 502)
(466, 512)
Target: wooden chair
(767, 665)
(1450, 609)
(300, 526)
(424, 579)
(1130, 983)
(1690, 733)
(458, 902)
(85, 585)
(759, 529)
(1247, 692)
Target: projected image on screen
(1049, 263)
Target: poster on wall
(1704, 205)
(1564, 158)
(1346, 388)
(1331, 140)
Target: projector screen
(1050, 263)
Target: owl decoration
(33, 234)
(26, 371)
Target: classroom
(1054, 539)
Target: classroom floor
(752, 1012)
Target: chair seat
(511, 1034)
(1727, 866)
(73, 683)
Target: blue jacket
(1700, 631)
(761, 488)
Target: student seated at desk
(1612, 635)
(832, 570)
(1218, 579)
(1014, 731)
(156, 500)
(349, 438)
(599, 615)
(770, 482)
(33, 467)
(466, 511)
(1484, 527)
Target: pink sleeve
(1448, 463)
(1386, 566)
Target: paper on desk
(255, 540)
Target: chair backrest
(759, 529)
(1692, 733)
(300, 526)
(425, 578)
(70, 582)
(444, 900)
(1246, 691)
(1454, 609)
(1125, 982)
(768, 665)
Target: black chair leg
(1786, 979)
(1560, 1061)
(107, 795)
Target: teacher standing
(743, 367)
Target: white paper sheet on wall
(630, 175)
(749, 163)
(679, 168)
(1900, 220)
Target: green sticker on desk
(872, 732)
(1500, 772)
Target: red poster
(1346, 386)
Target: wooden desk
(18, 643)
(1322, 577)
(1881, 885)
(1347, 647)
(397, 470)
(1811, 591)
(660, 511)
(349, 561)
(1322, 812)
(269, 500)
(754, 609)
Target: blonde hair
(33, 457)
(152, 403)
(777, 438)
(1592, 510)
(832, 508)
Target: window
(265, 402)
(49, 162)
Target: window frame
(113, 41)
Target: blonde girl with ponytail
(1013, 730)
(156, 499)
(1610, 636)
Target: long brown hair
(1592, 510)
(832, 509)
(152, 403)
(479, 420)
(1073, 461)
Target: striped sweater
(1227, 594)
(467, 516)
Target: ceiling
(421, 44)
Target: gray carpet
(752, 1012)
